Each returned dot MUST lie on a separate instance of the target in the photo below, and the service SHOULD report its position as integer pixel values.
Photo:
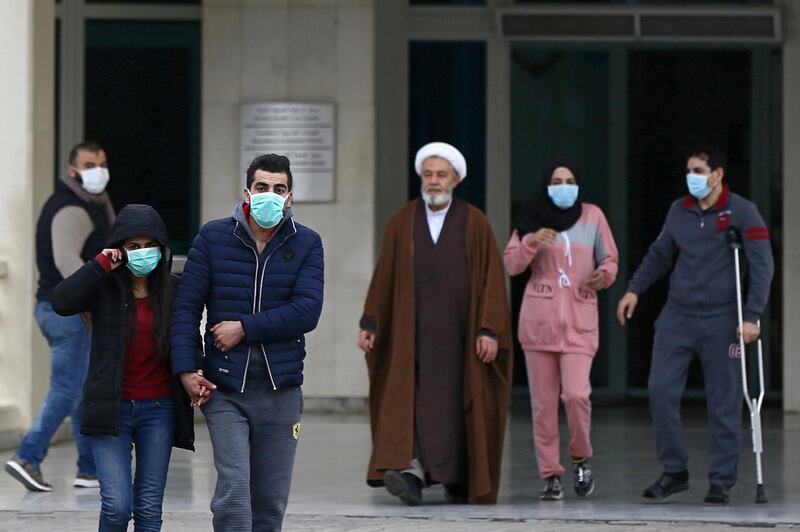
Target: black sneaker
(456, 494)
(405, 486)
(85, 480)
(552, 490)
(717, 495)
(668, 484)
(582, 477)
(27, 474)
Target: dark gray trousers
(678, 339)
(254, 436)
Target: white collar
(437, 214)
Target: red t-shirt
(145, 375)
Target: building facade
(623, 88)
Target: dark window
(677, 102)
(448, 104)
(560, 109)
(142, 102)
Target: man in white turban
(437, 337)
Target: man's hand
(197, 386)
(597, 281)
(366, 341)
(626, 307)
(542, 236)
(486, 348)
(227, 335)
(751, 332)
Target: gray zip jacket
(693, 243)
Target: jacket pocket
(539, 314)
(287, 348)
(585, 319)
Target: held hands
(626, 307)
(227, 335)
(366, 341)
(486, 348)
(542, 236)
(197, 386)
(751, 332)
(116, 256)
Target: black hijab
(543, 212)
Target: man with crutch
(700, 319)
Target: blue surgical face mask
(564, 196)
(267, 209)
(698, 185)
(141, 262)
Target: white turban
(443, 151)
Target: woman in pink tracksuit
(572, 255)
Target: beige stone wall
(315, 51)
(26, 112)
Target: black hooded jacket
(107, 298)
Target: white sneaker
(86, 481)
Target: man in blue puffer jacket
(260, 277)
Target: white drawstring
(563, 279)
(568, 248)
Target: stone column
(791, 207)
(26, 149)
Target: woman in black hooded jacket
(131, 399)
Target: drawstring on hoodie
(568, 248)
(563, 279)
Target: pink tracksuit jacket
(559, 311)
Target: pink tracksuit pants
(553, 376)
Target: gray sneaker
(29, 475)
(552, 490)
(84, 480)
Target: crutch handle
(734, 237)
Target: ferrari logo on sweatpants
(296, 430)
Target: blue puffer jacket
(277, 296)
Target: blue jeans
(148, 426)
(69, 342)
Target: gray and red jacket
(695, 243)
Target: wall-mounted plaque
(303, 132)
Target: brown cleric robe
(393, 313)
(441, 282)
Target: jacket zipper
(260, 292)
(257, 303)
(255, 283)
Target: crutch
(754, 404)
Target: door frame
(398, 23)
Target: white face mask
(94, 179)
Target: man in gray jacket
(700, 318)
(72, 228)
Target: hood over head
(140, 220)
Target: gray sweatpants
(713, 339)
(254, 436)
